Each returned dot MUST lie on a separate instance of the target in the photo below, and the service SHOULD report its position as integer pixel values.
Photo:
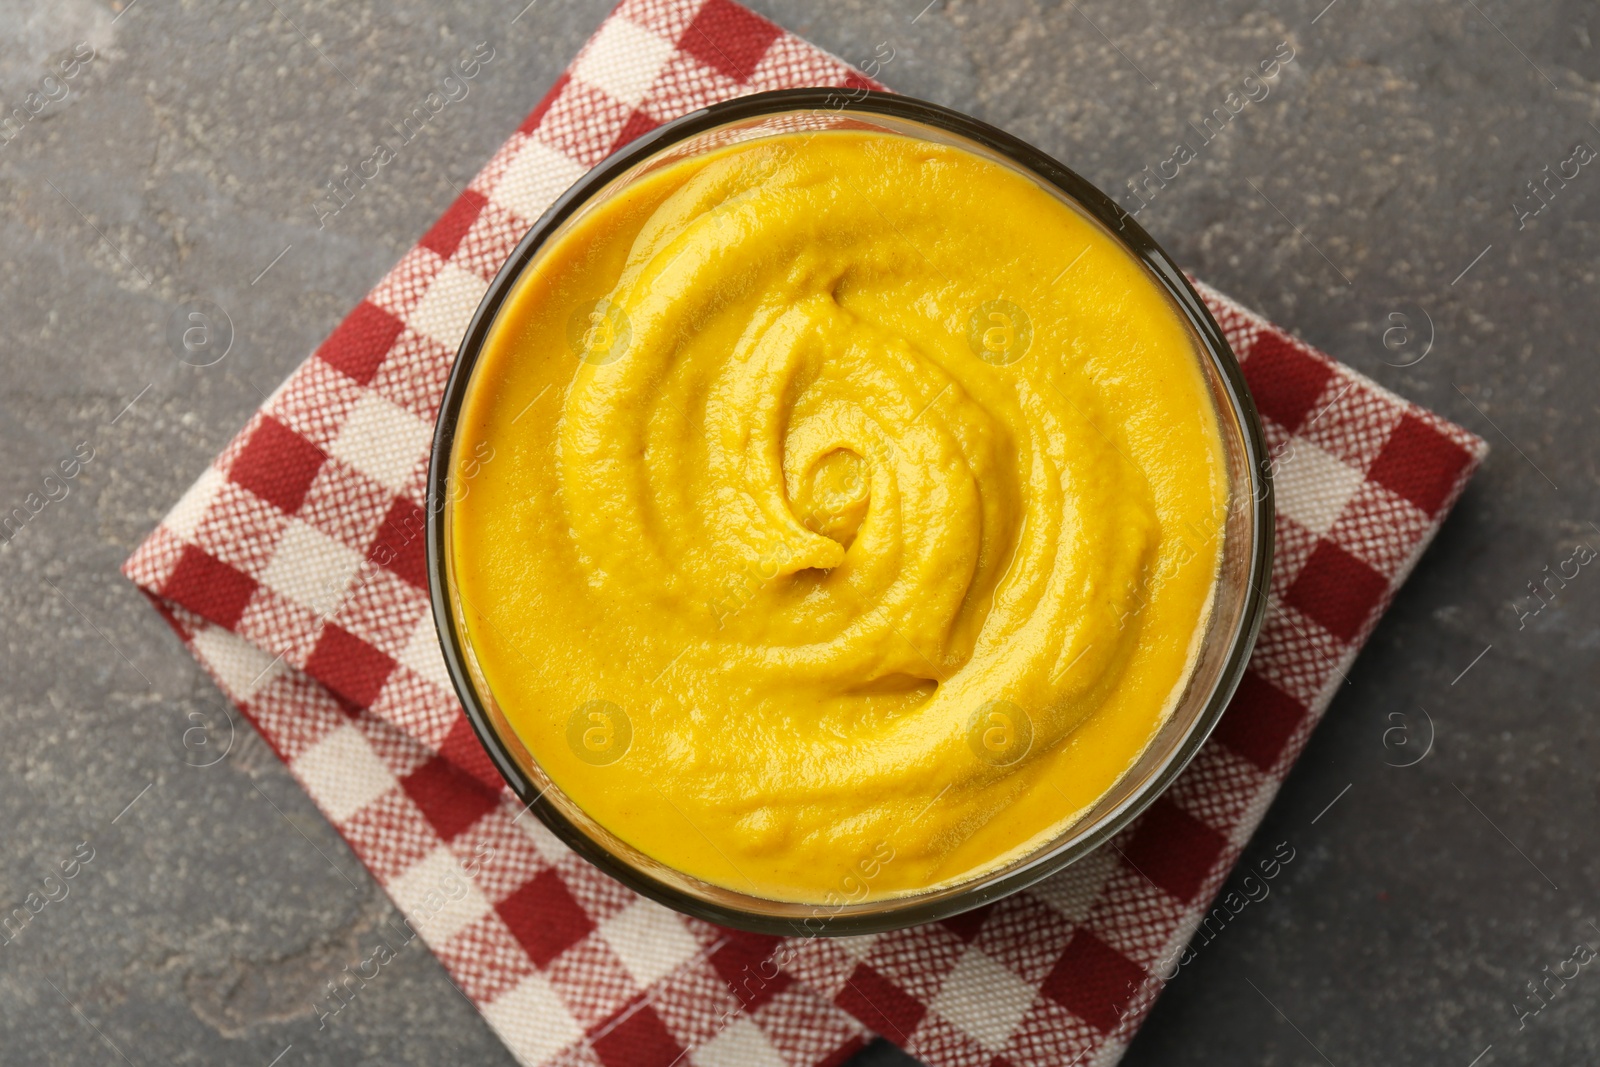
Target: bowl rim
(893, 912)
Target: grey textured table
(1384, 175)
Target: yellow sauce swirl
(854, 514)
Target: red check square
(729, 38)
(639, 1039)
(451, 799)
(748, 964)
(1174, 849)
(545, 918)
(881, 1004)
(349, 666)
(360, 342)
(453, 225)
(1285, 379)
(1259, 721)
(209, 587)
(277, 465)
(1337, 590)
(1420, 463)
(1093, 981)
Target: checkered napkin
(294, 570)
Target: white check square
(983, 999)
(650, 941)
(312, 569)
(534, 179)
(623, 60)
(1312, 487)
(343, 774)
(383, 440)
(242, 667)
(741, 1044)
(1073, 892)
(185, 517)
(532, 1020)
(447, 306)
(438, 896)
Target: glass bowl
(1236, 615)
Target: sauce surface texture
(851, 515)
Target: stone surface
(184, 159)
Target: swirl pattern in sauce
(854, 497)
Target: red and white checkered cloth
(294, 570)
